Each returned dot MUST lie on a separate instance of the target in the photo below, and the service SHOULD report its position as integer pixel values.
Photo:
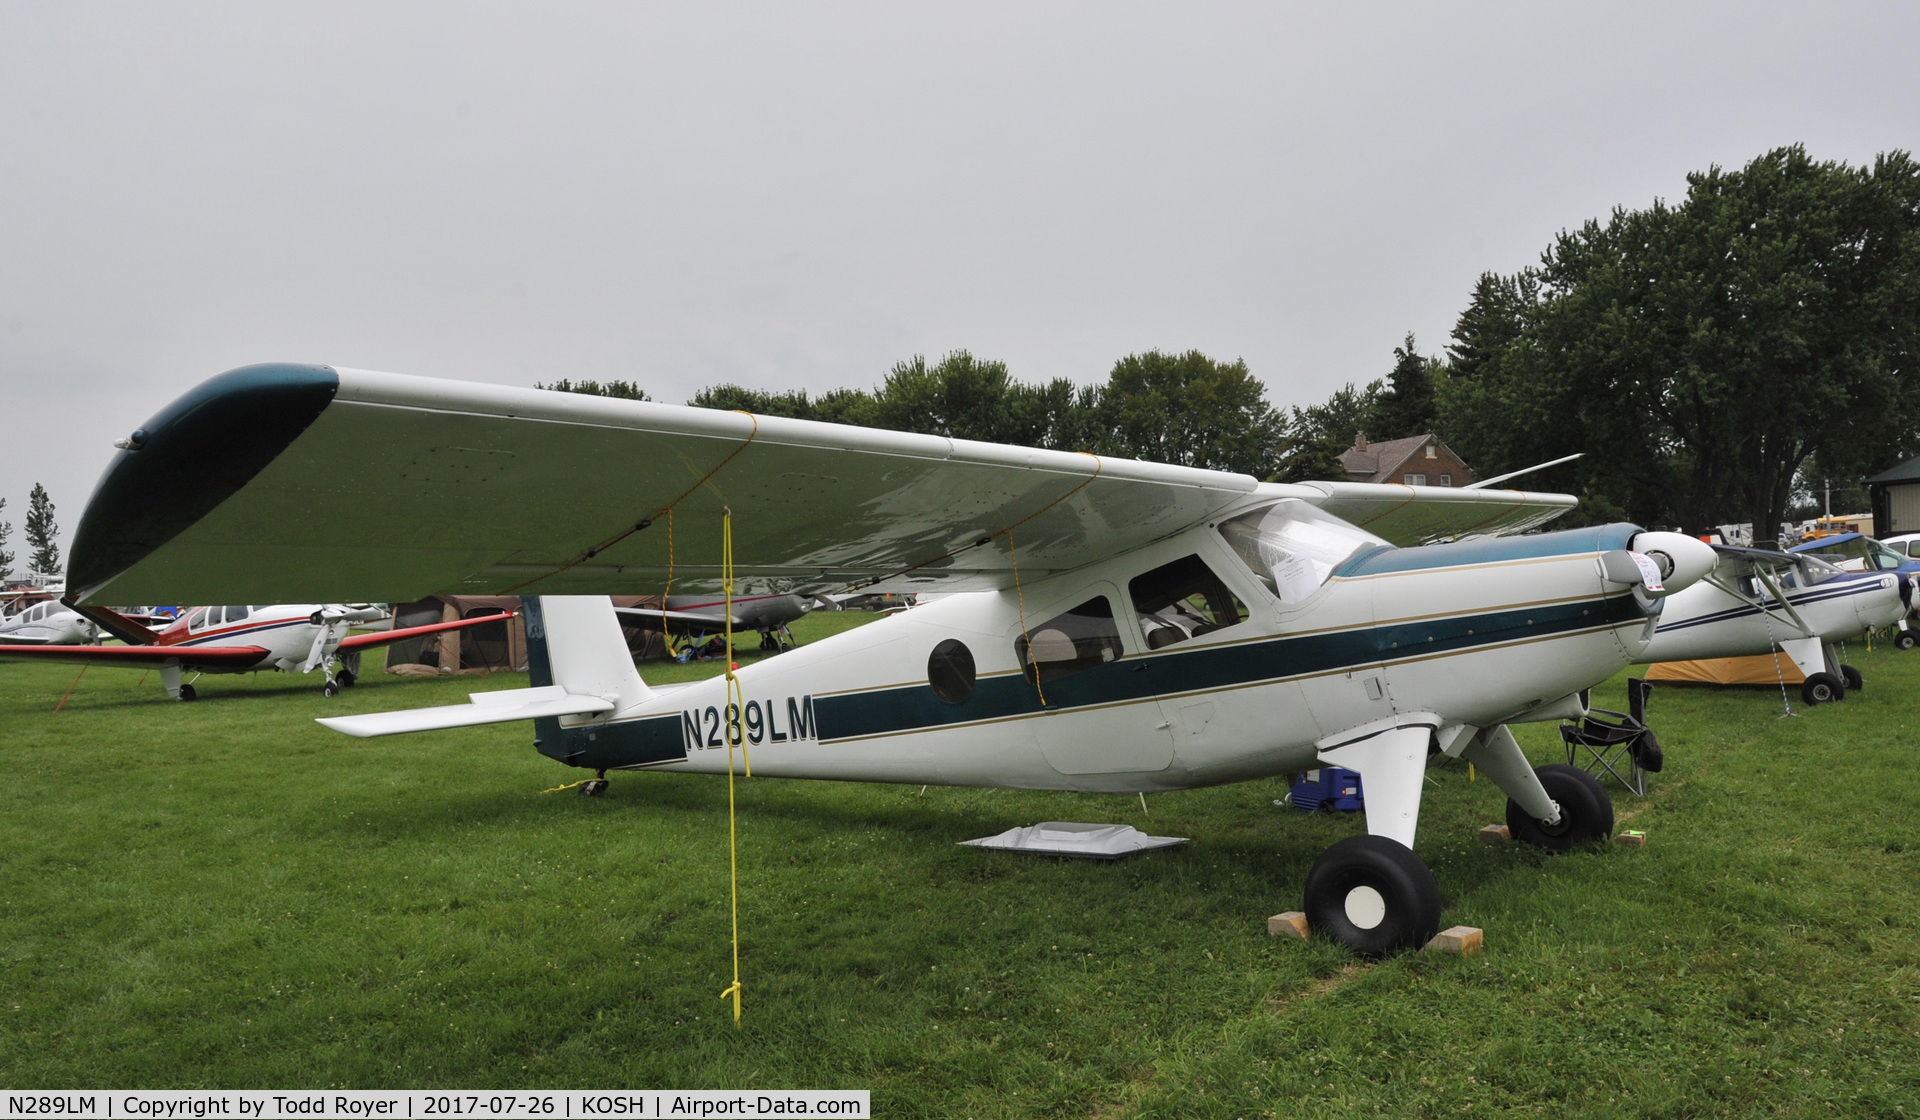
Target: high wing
(225, 657)
(1412, 515)
(281, 482)
(387, 637)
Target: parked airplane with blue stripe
(1757, 602)
(1105, 625)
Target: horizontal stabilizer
(503, 706)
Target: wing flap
(503, 706)
(1413, 515)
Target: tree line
(42, 533)
(1184, 408)
(1713, 358)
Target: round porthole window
(950, 671)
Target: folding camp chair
(1624, 746)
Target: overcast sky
(797, 196)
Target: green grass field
(225, 894)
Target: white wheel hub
(1365, 907)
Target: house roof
(1908, 471)
(1381, 458)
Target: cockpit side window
(1080, 639)
(1292, 547)
(198, 620)
(1182, 600)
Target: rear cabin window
(1080, 639)
(1182, 600)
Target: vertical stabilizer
(575, 641)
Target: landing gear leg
(784, 638)
(597, 787)
(1371, 893)
(349, 669)
(170, 680)
(1555, 807)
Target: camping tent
(1761, 669)
(500, 646)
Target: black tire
(187, 693)
(1906, 639)
(331, 688)
(1586, 813)
(1372, 879)
(596, 787)
(1850, 677)
(346, 678)
(1821, 688)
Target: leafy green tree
(1406, 408)
(792, 403)
(1190, 410)
(626, 390)
(42, 533)
(1317, 434)
(6, 558)
(1703, 353)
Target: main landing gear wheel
(1586, 813)
(1850, 677)
(187, 693)
(346, 678)
(1906, 639)
(1822, 687)
(1374, 896)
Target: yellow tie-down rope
(735, 734)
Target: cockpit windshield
(1811, 571)
(1293, 547)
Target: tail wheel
(1821, 688)
(1850, 677)
(1374, 896)
(1586, 812)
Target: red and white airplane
(289, 637)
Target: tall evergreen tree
(42, 533)
(6, 558)
(1407, 407)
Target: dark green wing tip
(193, 455)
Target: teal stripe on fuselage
(1489, 550)
(916, 708)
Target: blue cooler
(1329, 787)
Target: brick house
(1414, 461)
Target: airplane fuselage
(1707, 621)
(1480, 633)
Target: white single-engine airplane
(704, 615)
(289, 637)
(1119, 626)
(48, 623)
(1755, 602)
